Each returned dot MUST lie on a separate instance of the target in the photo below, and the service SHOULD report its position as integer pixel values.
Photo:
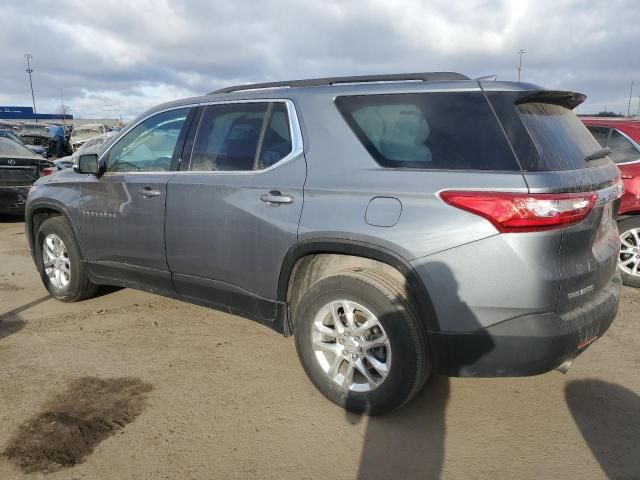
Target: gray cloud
(116, 57)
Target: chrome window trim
(134, 125)
(297, 147)
(294, 128)
(631, 140)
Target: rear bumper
(527, 345)
(13, 199)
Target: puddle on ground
(73, 423)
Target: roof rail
(317, 82)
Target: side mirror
(87, 164)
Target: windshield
(560, 137)
(10, 136)
(11, 148)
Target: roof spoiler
(569, 100)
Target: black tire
(391, 304)
(625, 225)
(79, 286)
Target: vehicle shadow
(608, 416)
(10, 327)
(10, 322)
(409, 443)
(13, 315)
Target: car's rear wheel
(629, 261)
(59, 262)
(360, 342)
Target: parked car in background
(82, 133)
(35, 149)
(13, 127)
(19, 168)
(38, 134)
(622, 136)
(396, 225)
(92, 145)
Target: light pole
(630, 93)
(28, 56)
(520, 52)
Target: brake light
(524, 212)
(44, 171)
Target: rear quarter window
(439, 131)
(562, 140)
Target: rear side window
(622, 150)
(241, 137)
(562, 140)
(445, 131)
(601, 134)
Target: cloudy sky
(112, 57)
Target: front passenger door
(122, 211)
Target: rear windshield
(445, 131)
(11, 148)
(562, 140)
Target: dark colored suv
(396, 225)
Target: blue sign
(26, 113)
(13, 111)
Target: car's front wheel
(59, 262)
(629, 262)
(360, 342)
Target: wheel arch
(37, 213)
(311, 260)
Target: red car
(622, 136)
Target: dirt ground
(154, 388)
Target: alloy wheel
(351, 346)
(55, 259)
(629, 260)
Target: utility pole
(63, 110)
(630, 93)
(28, 56)
(520, 52)
(638, 115)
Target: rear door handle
(275, 197)
(148, 192)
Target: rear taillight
(46, 170)
(524, 212)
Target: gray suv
(395, 225)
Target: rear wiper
(603, 152)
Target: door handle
(148, 192)
(275, 197)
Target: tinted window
(560, 137)
(149, 146)
(601, 134)
(10, 136)
(622, 150)
(241, 137)
(452, 131)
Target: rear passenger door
(233, 208)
